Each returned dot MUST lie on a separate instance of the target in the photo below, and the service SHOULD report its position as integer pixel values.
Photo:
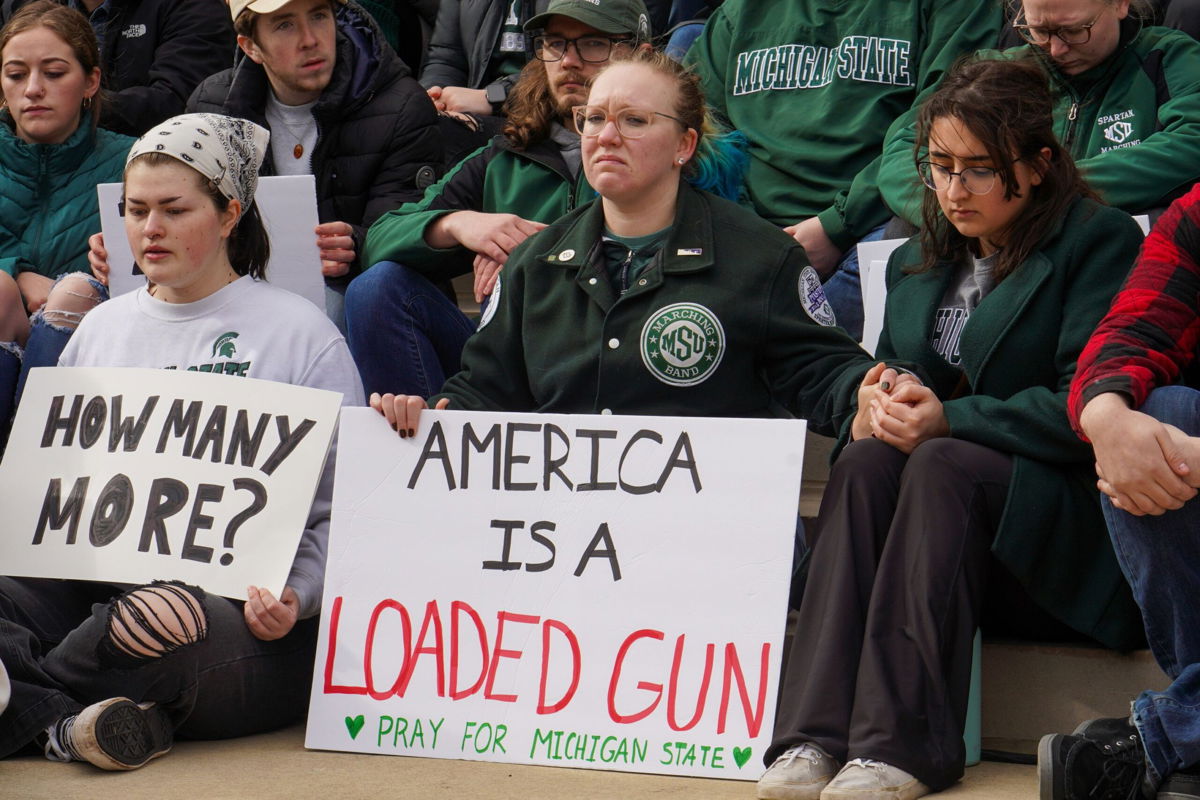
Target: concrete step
(1031, 689)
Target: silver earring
(680, 162)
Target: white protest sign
(872, 271)
(130, 475)
(607, 592)
(288, 205)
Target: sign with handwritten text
(606, 592)
(131, 475)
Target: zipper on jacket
(43, 211)
(624, 274)
(1068, 138)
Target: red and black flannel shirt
(1150, 334)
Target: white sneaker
(864, 779)
(799, 774)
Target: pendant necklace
(298, 150)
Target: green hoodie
(814, 85)
(1132, 124)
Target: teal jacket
(48, 205)
(814, 86)
(1132, 124)
(534, 184)
(1019, 348)
(715, 325)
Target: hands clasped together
(896, 408)
(1142, 463)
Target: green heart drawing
(355, 724)
(740, 754)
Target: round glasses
(592, 49)
(976, 180)
(1072, 35)
(632, 123)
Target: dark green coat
(48, 205)
(713, 326)
(1019, 349)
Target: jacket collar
(544, 152)
(60, 159)
(689, 247)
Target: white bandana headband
(226, 150)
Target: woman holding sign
(657, 298)
(52, 155)
(111, 683)
(994, 300)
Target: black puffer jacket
(377, 144)
(154, 54)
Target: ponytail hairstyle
(719, 162)
(1006, 104)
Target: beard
(565, 100)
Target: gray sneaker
(799, 774)
(865, 779)
(115, 734)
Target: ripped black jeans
(67, 644)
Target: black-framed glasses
(592, 48)
(1069, 35)
(632, 123)
(976, 180)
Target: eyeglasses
(592, 49)
(632, 123)
(976, 180)
(1073, 35)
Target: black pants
(54, 643)
(881, 659)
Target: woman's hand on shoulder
(403, 411)
(98, 257)
(269, 618)
(910, 415)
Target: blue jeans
(843, 290)
(681, 40)
(405, 335)
(56, 643)
(47, 340)
(1160, 557)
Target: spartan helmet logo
(1118, 132)
(224, 346)
(643, 31)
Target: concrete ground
(276, 765)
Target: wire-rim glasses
(976, 180)
(632, 123)
(1069, 35)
